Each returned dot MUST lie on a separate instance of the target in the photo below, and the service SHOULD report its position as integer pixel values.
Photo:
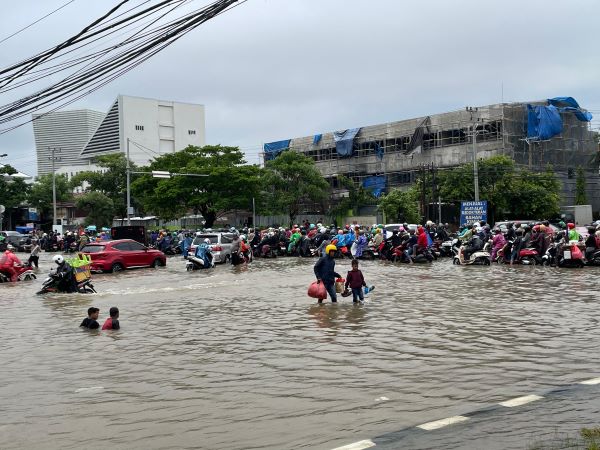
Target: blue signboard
(471, 212)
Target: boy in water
(356, 281)
(91, 321)
(112, 323)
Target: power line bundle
(148, 31)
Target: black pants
(33, 260)
(235, 258)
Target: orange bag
(317, 290)
(576, 252)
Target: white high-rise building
(152, 127)
(65, 131)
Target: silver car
(220, 244)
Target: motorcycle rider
(498, 242)
(235, 250)
(65, 275)
(8, 262)
(204, 252)
(590, 243)
(475, 244)
(510, 232)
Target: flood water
(241, 358)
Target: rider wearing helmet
(325, 271)
(65, 275)
(8, 261)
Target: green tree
(580, 196)
(401, 206)
(229, 183)
(495, 184)
(535, 195)
(99, 208)
(40, 194)
(357, 197)
(290, 181)
(112, 182)
(13, 191)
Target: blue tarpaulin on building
(317, 138)
(375, 184)
(543, 122)
(272, 149)
(569, 104)
(344, 142)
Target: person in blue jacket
(325, 272)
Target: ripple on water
(241, 357)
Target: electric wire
(35, 22)
(99, 74)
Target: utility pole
(475, 169)
(253, 215)
(128, 171)
(53, 159)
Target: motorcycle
(195, 263)
(445, 249)
(24, 273)
(569, 255)
(530, 256)
(479, 258)
(51, 283)
(593, 258)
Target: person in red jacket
(356, 281)
(112, 323)
(422, 242)
(8, 261)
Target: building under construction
(534, 134)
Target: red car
(114, 256)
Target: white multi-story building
(65, 131)
(152, 128)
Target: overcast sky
(277, 69)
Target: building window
(139, 127)
(190, 132)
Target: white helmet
(58, 259)
(207, 241)
(322, 230)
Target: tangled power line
(104, 50)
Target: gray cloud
(275, 69)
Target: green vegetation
(580, 196)
(290, 180)
(357, 197)
(228, 184)
(111, 183)
(99, 208)
(401, 206)
(510, 191)
(40, 194)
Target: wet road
(240, 358)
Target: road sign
(471, 212)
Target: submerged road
(239, 358)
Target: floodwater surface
(240, 358)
